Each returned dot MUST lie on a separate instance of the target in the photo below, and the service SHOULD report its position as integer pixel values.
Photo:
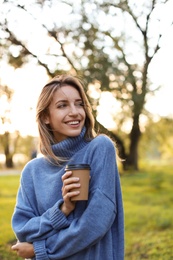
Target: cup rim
(77, 166)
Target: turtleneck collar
(68, 147)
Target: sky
(28, 81)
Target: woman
(46, 222)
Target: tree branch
(15, 41)
(118, 47)
(53, 34)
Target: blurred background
(122, 50)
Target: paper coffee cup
(82, 171)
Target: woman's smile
(73, 123)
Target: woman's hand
(68, 184)
(24, 249)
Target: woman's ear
(45, 119)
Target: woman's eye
(61, 105)
(64, 105)
(80, 104)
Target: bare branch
(126, 8)
(118, 47)
(53, 34)
(15, 41)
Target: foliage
(5, 97)
(157, 140)
(148, 212)
(26, 145)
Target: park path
(5, 172)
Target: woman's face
(66, 113)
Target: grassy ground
(8, 189)
(148, 199)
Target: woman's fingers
(70, 194)
(69, 183)
(66, 175)
(67, 188)
(24, 250)
(70, 188)
(14, 247)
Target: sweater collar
(68, 147)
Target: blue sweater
(95, 229)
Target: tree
(102, 52)
(8, 141)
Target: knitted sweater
(95, 229)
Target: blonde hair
(42, 110)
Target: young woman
(47, 223)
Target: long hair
(42, 110)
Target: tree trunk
(9, 162)
(8, 154)
(129, 161)
(132, 158)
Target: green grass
(148, 200)
(8, 189)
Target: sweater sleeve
(27, 223)
(100, 213)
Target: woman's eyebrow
(78, 99)
(62, 100)
(67, 100)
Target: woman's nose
(73, 110)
